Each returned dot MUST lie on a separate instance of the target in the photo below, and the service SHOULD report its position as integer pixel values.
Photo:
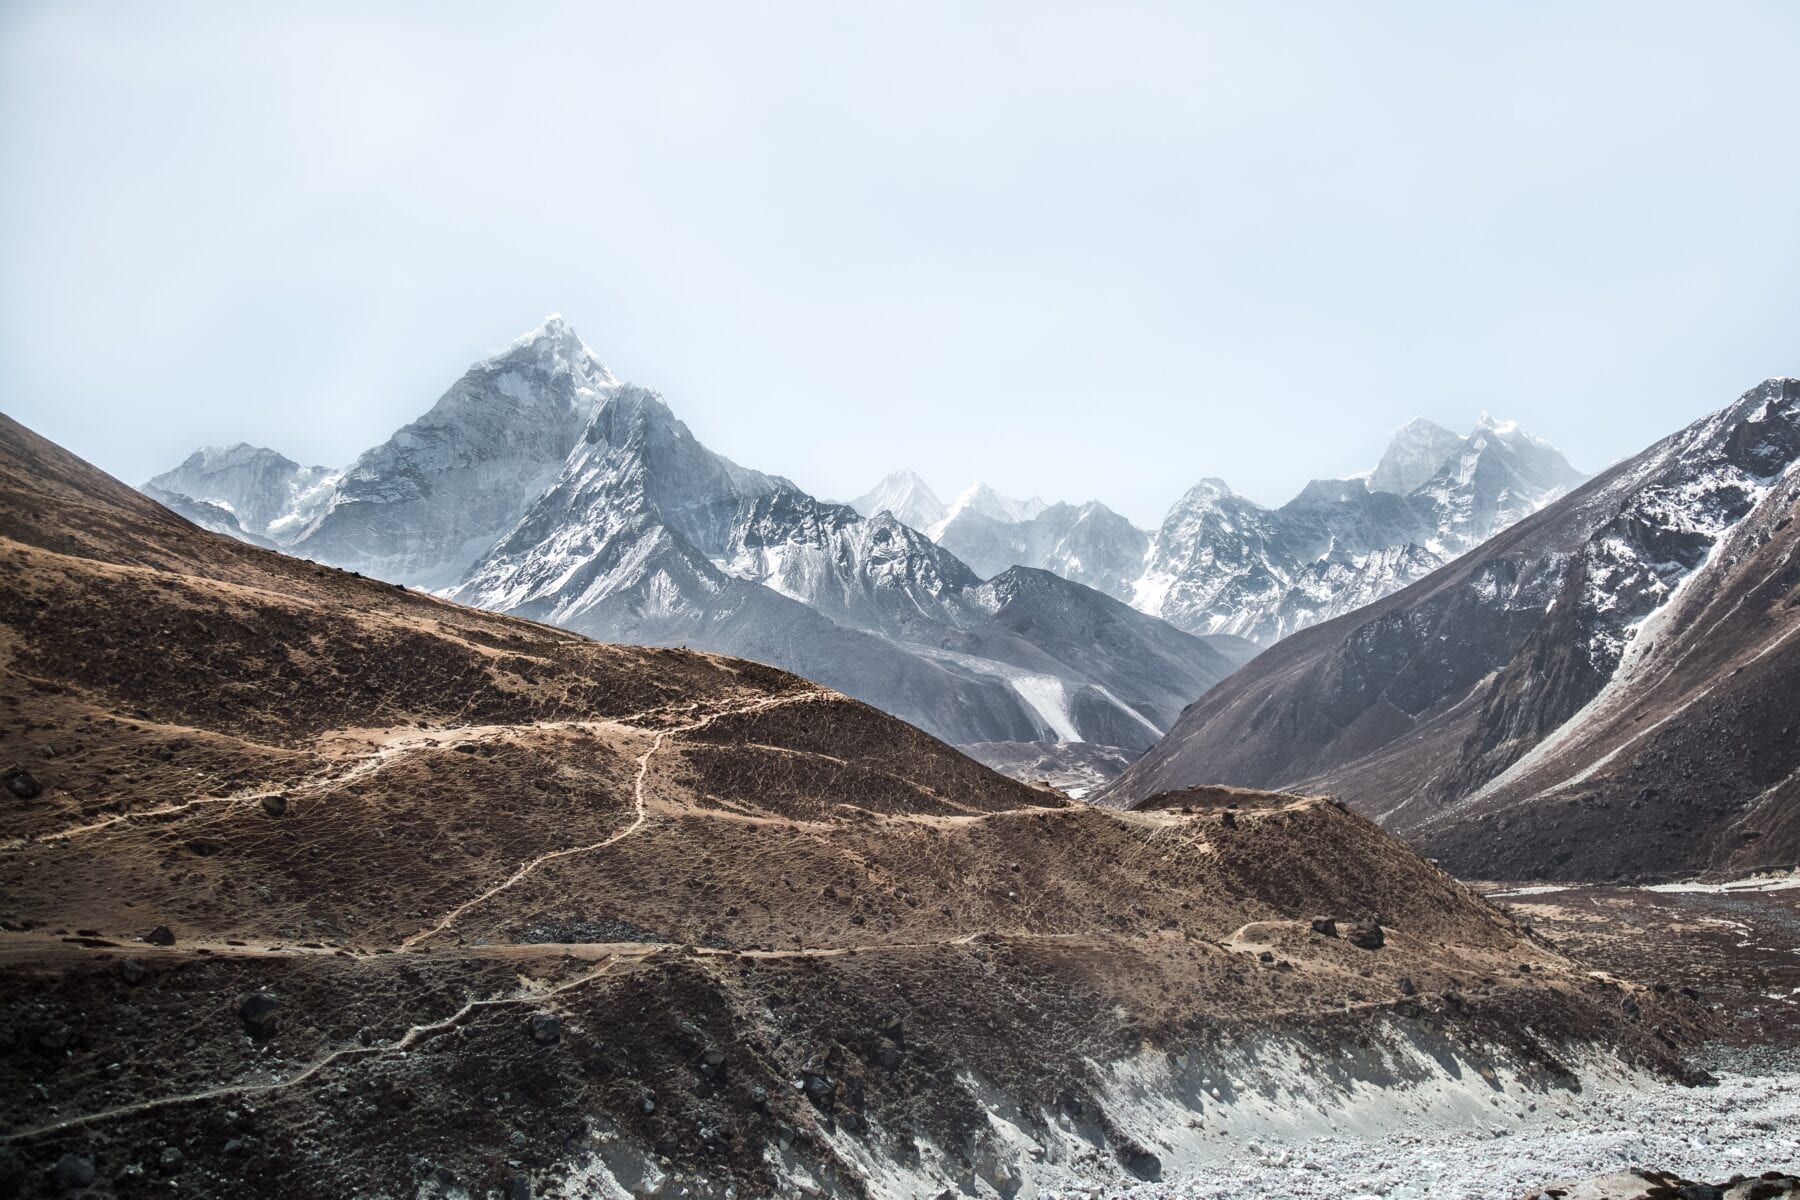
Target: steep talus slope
(1599, 690)
(312, 885)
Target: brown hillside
(463, 902)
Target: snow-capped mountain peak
(266, 493)
(1413, 456)
(553, 350)
(907, 496)
(980, 499)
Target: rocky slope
(1606, 688)
(541, 485)
(314, 885)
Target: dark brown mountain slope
(1606, 689)
(312, 886)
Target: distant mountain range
(541, 485)
(1222, 564)
(1608, 688)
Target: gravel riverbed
(1746, 1124)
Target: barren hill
(311, 885)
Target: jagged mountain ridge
(649, 537)
(541, 485)
(1221, 564)
(1604, 688)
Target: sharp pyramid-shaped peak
(1413, 456)
(553, 348)
(904, 494)
(1207, 492)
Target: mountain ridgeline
(1222, 564)
(1606, 689)
(539, 484)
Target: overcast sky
(1096, 250)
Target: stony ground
(1746, 1124)
(1738, 947)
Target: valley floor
(1745, 1125)
(1739, 947)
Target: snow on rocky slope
(246, 491)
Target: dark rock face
(1622, 651)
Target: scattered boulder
(162, 935)
(170, 1160)
(545, 1027)
(72, 1171)
(1407, 987)
(1641, 1184)
(818, 1089)
(132, 971)
(258, 1013)
(54, 1039)
(1325, 925)
(22, 783)
(517, 1187)
(275, 804)
(1365, 935)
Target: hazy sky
(1094, 250)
